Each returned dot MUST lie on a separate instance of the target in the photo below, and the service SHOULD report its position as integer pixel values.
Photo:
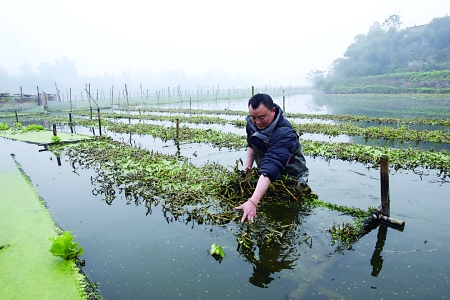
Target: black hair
(257, 99)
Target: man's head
(261, 110)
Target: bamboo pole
(90, 103)
(21, 100)
(45, 101)
(98, 113)
(128, 104)
(57, 92)
(284, 102)
(70, 98)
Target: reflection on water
(377, 259)
(269, 259)
(396, 106)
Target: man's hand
(249, 209)
(245, 168)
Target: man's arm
(250, 159)
(249, 207)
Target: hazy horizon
(184, 44)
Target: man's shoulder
(284, 125)
(284, 132)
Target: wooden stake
(384, 178)
(178, 127)
(99, 122)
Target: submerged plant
(64, 246)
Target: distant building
(416, 29)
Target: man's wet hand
(249, 209)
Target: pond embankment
(28, 269)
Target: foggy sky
(188, 43)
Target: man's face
(262, 117)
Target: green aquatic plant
(344, 234)
(217, 250)
(64, 246)
(18, 124)
(56, 139)
(4, 126)
(33, 127)
(408, 159)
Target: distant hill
(389, 60)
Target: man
(275, 147)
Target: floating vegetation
(344, 234)
(207, 194)
(345, 118)
(408, 159)
(4, 126)
(32, 127)
(217, 250)
(64, 246)
(401, 133)
(56, 139)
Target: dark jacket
(277, 149)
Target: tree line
(371, 60)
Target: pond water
(134, 252)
